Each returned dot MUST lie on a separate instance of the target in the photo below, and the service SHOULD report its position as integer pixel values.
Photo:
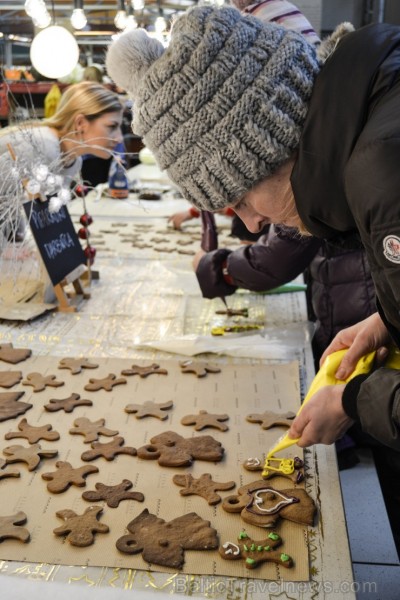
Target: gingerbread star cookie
(39, 382)
(33, 434)
(113, 494)
(164, 543)
(255, 552)
(153, 369)
(149, 409)
(80, 529)
(205, 419)
(10, 407)
(75, 365)
(270, 419)
(204, 486)
(10, 527)
(66, 475)
(200, 369)
(106, 383)
(67, 404)
(13, 355)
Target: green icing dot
(245, 548)
(250, 561)
(260, 548)
(243, 535)
(267, 548)
(285, 557)
(273, 536)
(252, 547)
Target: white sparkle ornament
(33, 187)
(55, 203)
(40, 172)
(65, 195)
(54, 52)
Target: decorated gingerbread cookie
(291, 468)
(80, 529)
(112, 494)
(256, 552)
(262, 505)
(164, 543)
(172, 450)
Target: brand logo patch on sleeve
(391, 248)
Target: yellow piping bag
(325, 376)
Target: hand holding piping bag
(324, 377)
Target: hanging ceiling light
(38, 12)
(54, 52)
(137, 4)
(160, 24)
(120, 17)
(131, 22)
(78, 17)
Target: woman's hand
(178, 218)
(360, 339)
(322, 419)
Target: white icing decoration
(228, 547)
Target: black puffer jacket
(340, 291)
(349, 156)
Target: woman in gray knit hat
(244, 114)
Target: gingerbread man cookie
(200, 369)
(10, 378)
(262, 505)
(31, 456)
(10, 407)
(13, 355)
(80, 529)
(149, 409)
(75, 365)
(204, 486)
(10, 527)
(113, 494)
(172, 450)
(164, 543)
(106, 383)
(205, 419)
(153, 369)
(276, 467)
(33, 434)
(91, 429)
(4, 472)
(67, 404)
(40, 382)
(109, 450)
(255, 552)
(270, 419)
(66, 475)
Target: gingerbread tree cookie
(172, 450)
(67, 404)
(109, 450)
(75, 365)
(164, 543)
(31, 455)
(262, 505)
(13, 355)
(204, 486)
(153, 369)
(10, 407)
(113, 494)
(39, 382)
(33, 434)
(150, 409)
(255, 552)
(200, 369)
(106, 383)
(80, 529)
(10, 378)
(270, 419)
(10, 527)
(66, 475)
(205, 419)
(91, 429)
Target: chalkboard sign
(56, 239)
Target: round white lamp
(54, 52)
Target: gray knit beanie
(223, 106)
